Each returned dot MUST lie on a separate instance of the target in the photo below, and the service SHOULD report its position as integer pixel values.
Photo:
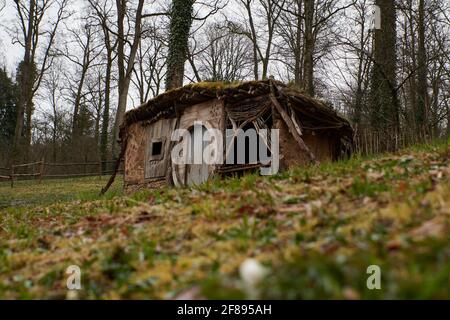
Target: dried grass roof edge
(169, 103)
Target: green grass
(315, 229)
(32, 193)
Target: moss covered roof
(170, 103)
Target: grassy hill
(316, 230)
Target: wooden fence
(41, 170)
(369, 142)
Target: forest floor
(315, 230)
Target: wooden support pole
(117, 165)
(85, 163)
(26, 164)
(12, 176)
(41, 170)
(292, 129)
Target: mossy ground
(315, 229)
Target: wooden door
(157, 153)
(197, 173)
(193, 172)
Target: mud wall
(319, 142)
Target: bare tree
(225, 57)
(125, 66)
(102, 15)
(408, 63)
(30, 33)
(149, 72)
(82, 39)
(421, 112)
(95, 99)
(355, 53)
(438, 74)
(290, 30)
(52, 92)
(314, 21)
(269, 11)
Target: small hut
(309, 131)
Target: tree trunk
(105, 120)
(271, 20)
(308, 63)
(412, 81)
(55, 122)
(76, 107)
(121, 8)
(180, 25)
(384, 108)
(298, 74)
(448, 122)
(25, 86)
(125, 74)
(421, 112)
(29, 112)
(358, 100)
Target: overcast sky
(10, 53)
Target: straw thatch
(312, 113)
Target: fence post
(12, 176)
(41, 170)
(100, 168)
(85, 164)
(366, 147)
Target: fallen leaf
(434, 228)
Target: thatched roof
(167, 105)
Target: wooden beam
(41, 170)
(26, 164)
(117, 165)
(12, 176)
(240, 167)
(287, 119)
(26, 174)
(251, 100)
(294, 121)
